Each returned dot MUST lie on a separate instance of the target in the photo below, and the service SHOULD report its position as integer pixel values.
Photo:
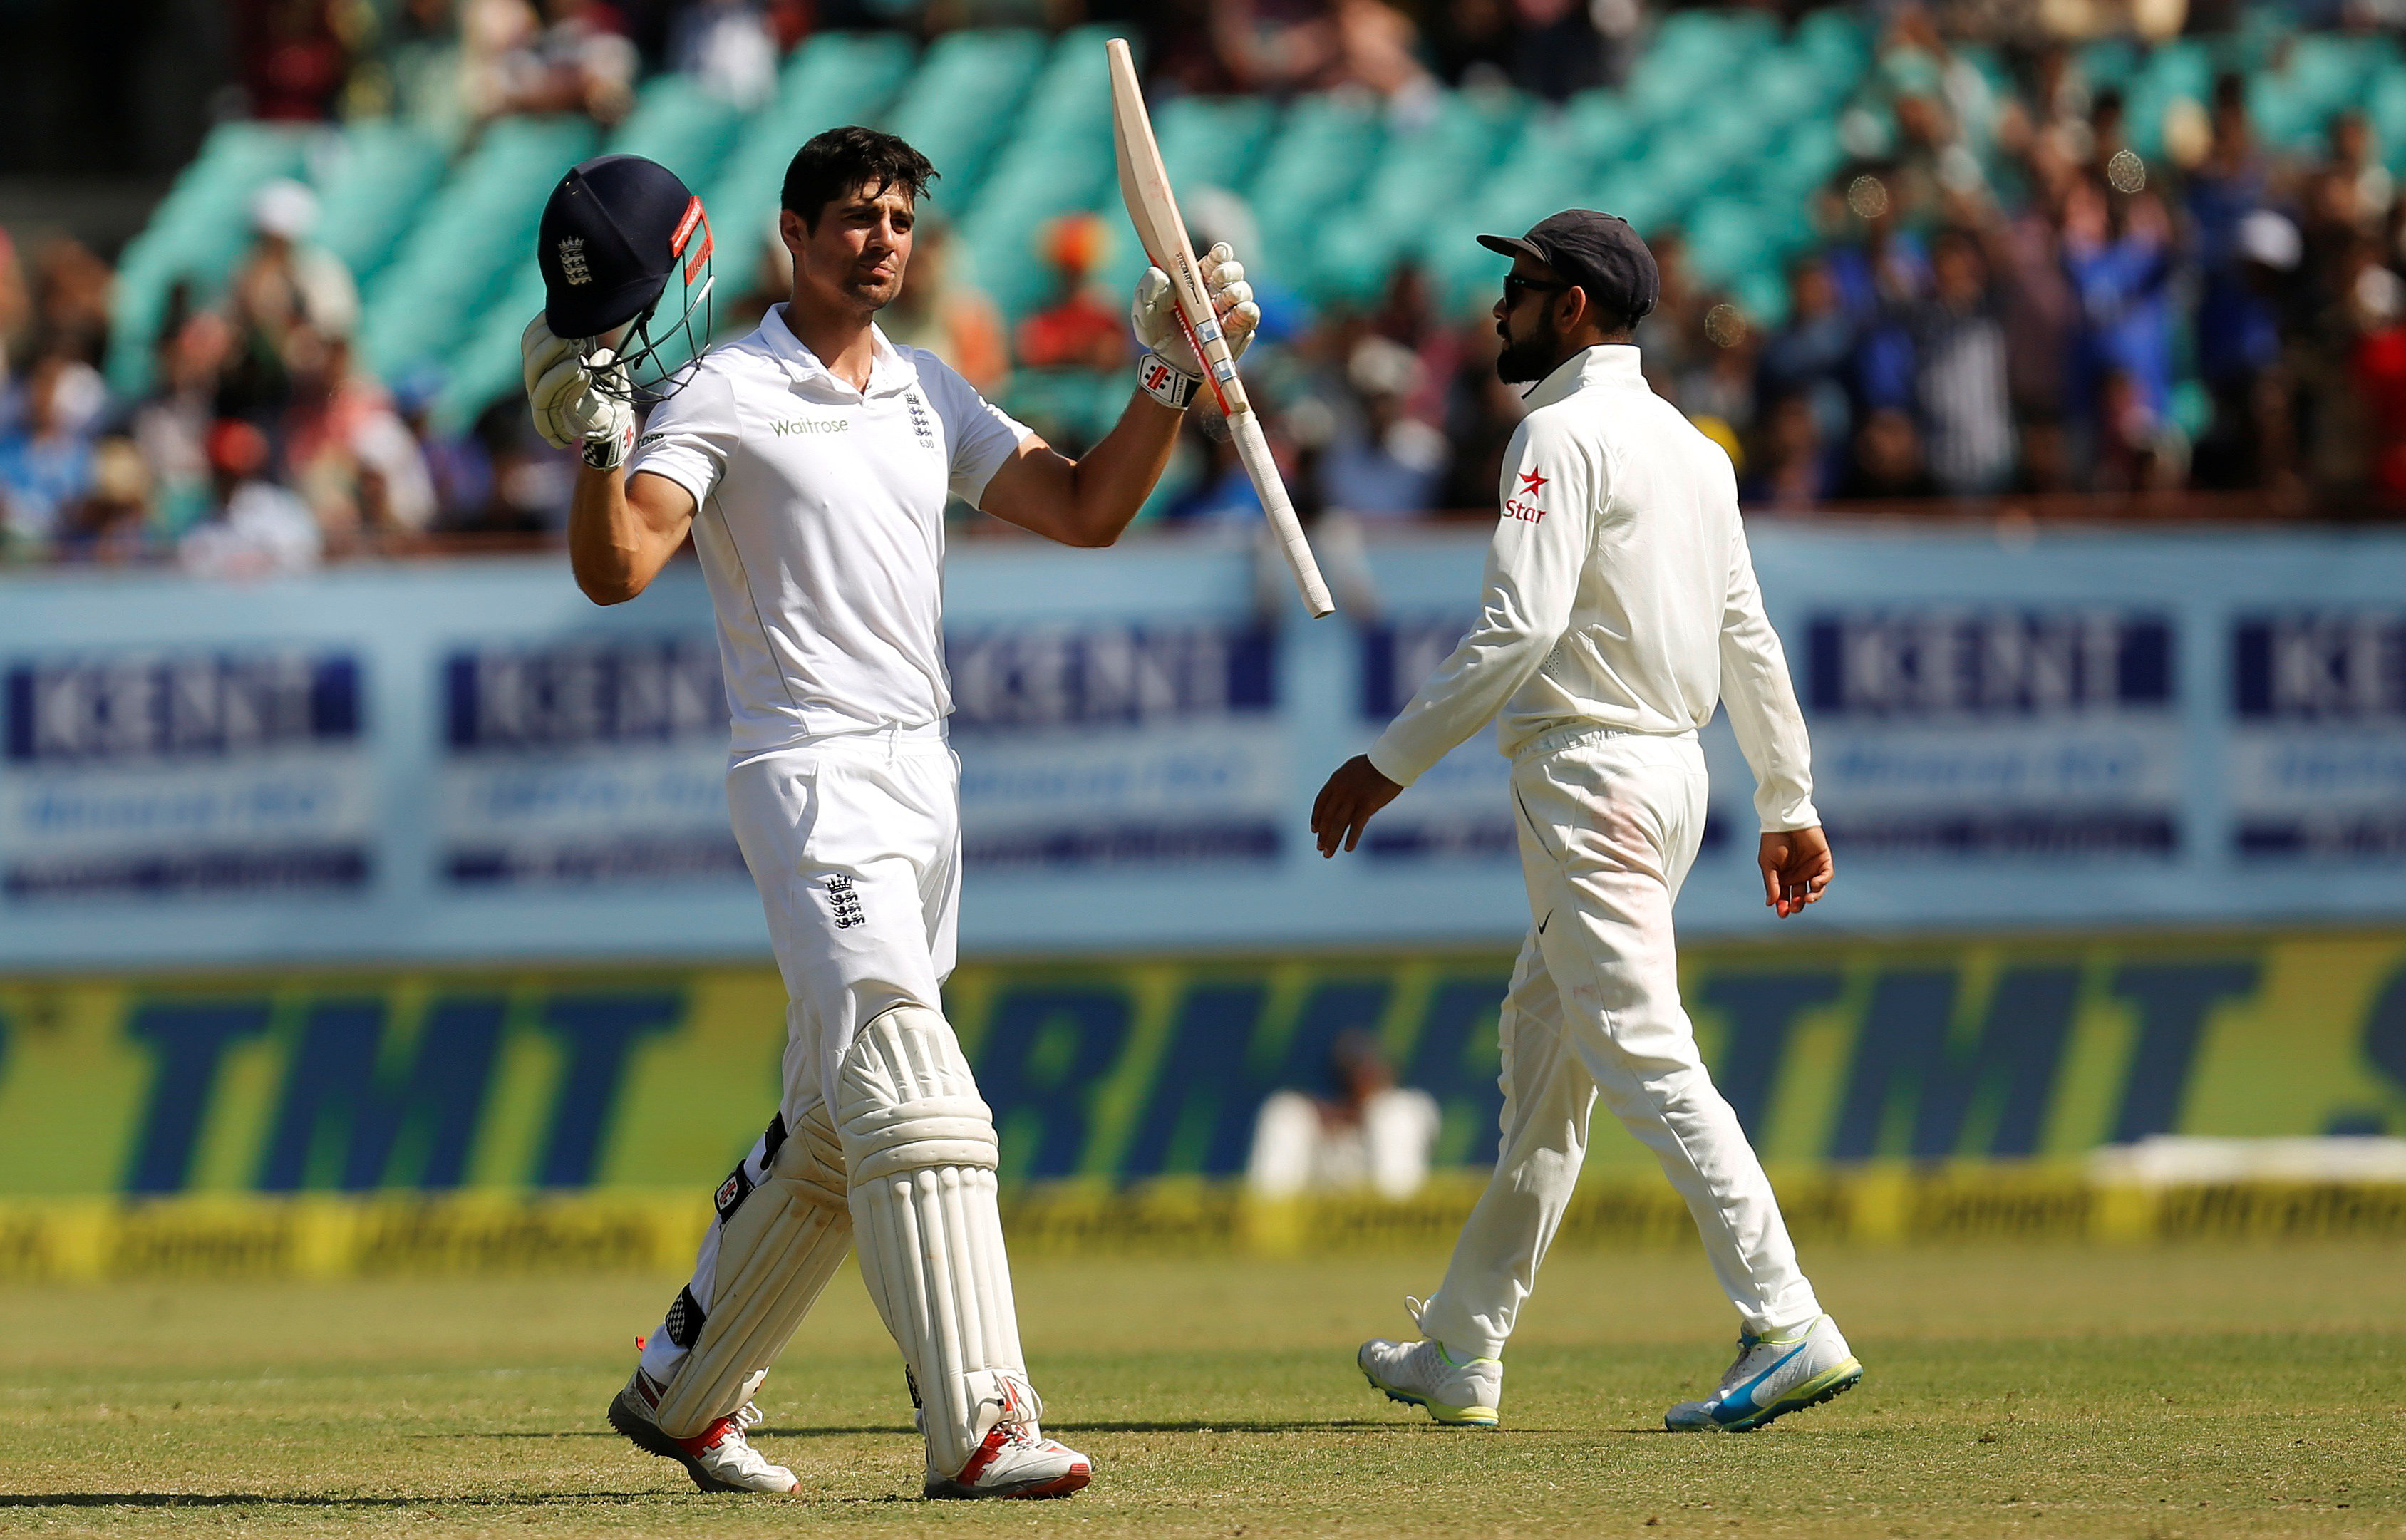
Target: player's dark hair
(838, 163)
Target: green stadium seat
(2261, 31)
(1725, 238)
(1071, 99)
(2384, 106)
(1031, 186)
(2332, 71)
(1665, 88)
(1323, 153)
(2182, 68)
(682, 126)
(1762, 292)
(486, 367)
(479, 231)
(1684, 166)
(2285, 117)
(1214, 141)
(963, 103)
(2111, 61)
(1601, 127)
(1722, 38)
(1628, 191)
(1059, 160)
(1837, 40)
(1078, 404)
(1782, 87)
(372, 188)
(1422, 175)
(835, 79)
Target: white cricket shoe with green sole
(1458, 1393)
(1773, 1377)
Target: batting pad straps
(784, 1228)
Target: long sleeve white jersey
(819, 520)
(1619, 594)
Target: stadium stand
(1347, 194)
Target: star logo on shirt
(1522, 505)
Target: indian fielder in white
(811, 462)
(1620, 604)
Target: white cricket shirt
(819, 519)
(1620, 593)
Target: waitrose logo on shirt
(805, 425)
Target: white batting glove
(571, 410)
(1170, 368)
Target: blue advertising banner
(463, 761)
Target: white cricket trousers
(854, 843)
(1609, 823)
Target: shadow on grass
(612, 1433)
(1198, 1424)
(293, 1500)
(1237, 1424)
(319, 1500)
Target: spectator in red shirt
(1078, 330)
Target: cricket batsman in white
(1620, 605)
(811, 462)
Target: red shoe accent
(1073, 1480)
(995, 1437)
(710, 1437)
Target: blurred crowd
(2053, 314)
(2081, 320)
(261, 447)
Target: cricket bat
(1144, 185)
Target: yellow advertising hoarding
(357, 1120)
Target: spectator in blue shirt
(44, 459)
(2121, 270)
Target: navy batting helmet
(617, 232)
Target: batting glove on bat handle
(1154, 315)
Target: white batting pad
(782, 1230)
(920, 1145)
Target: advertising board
(467, 762)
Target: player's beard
(1528, 359)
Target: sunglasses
(1515, 286)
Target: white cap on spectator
(1378, 367)
(284, 208)
(2380, 294)
(2271, 239)
(1216, 214)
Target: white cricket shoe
(1016, 1460)
(1773, 1377)
(719, 1458)
(1458, 1393)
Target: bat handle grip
(1254, 450)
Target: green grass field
(2063, 1392)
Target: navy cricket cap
(610, 235)
(1599, 252)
